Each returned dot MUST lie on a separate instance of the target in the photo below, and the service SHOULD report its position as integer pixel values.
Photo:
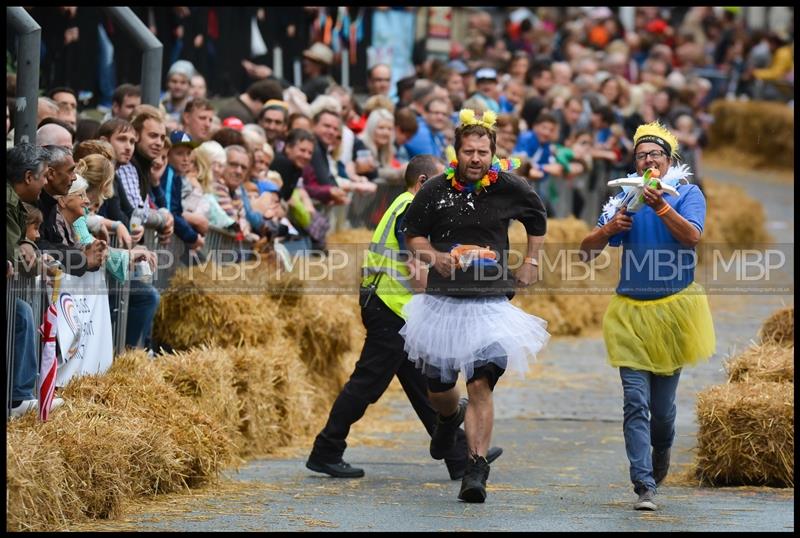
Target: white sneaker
(57, 402)
(24, 407)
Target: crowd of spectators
(278, 164)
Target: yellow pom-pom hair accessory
(467, 117)
(656, 133)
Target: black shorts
(490, 371)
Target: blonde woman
(374, 161)
(98, 171)
(198, 192)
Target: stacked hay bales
(123, 434)
(755, 134)
(733, 218)
(746, 434)
(208, 306)
(572, 295)
(150, 426)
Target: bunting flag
(47, 375)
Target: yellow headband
(467, 117)
(658, 134)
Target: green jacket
(15, 223)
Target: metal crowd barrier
(118, 302)
(219, 240)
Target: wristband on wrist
(114, 226)
(664, 210)
(531, 261)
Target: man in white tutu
(390, 279)
(464, 322)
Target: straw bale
(135, 385)
(323, 329)
(762, 131)
(278, 401)
(199, 309)
(566, 231)
(765, 362)
(36, 480)
(779, 327)
(746, 434)
(566, 315)
(353, 236)
(207, 376)
(733, 218)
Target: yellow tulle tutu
(661, 335)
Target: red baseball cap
(233, 122)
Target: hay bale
(322, 328)
(206, 306)
(279, 403)
(765, 362)
(746, 434)
(725, 227)
(353, 236)
(38, 498)
(567, 231)
(761, 131)
(135, 386)
(779, 328)
(206, 375)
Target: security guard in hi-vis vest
(390, 278)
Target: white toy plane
(634, 197)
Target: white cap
(79, 185)
(486, 73)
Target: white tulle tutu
(448, 335)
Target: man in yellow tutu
(659, 320)
(464, 322)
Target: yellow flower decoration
(467, 117)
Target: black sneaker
(473, 485)
(646, 500)
(337, 470)
(444, 432)
(457, 468)
(660, 465)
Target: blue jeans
(26, 356)
(142, 306)
(648, 420)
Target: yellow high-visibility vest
(394, 287)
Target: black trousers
(382, 358)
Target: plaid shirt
(130, 182)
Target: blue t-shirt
(654, 264)
(425, 142)
(528, 143)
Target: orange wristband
(664, 210)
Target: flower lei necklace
(498, 165)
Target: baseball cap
(182, 138)
(267, 186)
(233, 122)
(486, 73)
(459, 66)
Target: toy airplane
(634, 197)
